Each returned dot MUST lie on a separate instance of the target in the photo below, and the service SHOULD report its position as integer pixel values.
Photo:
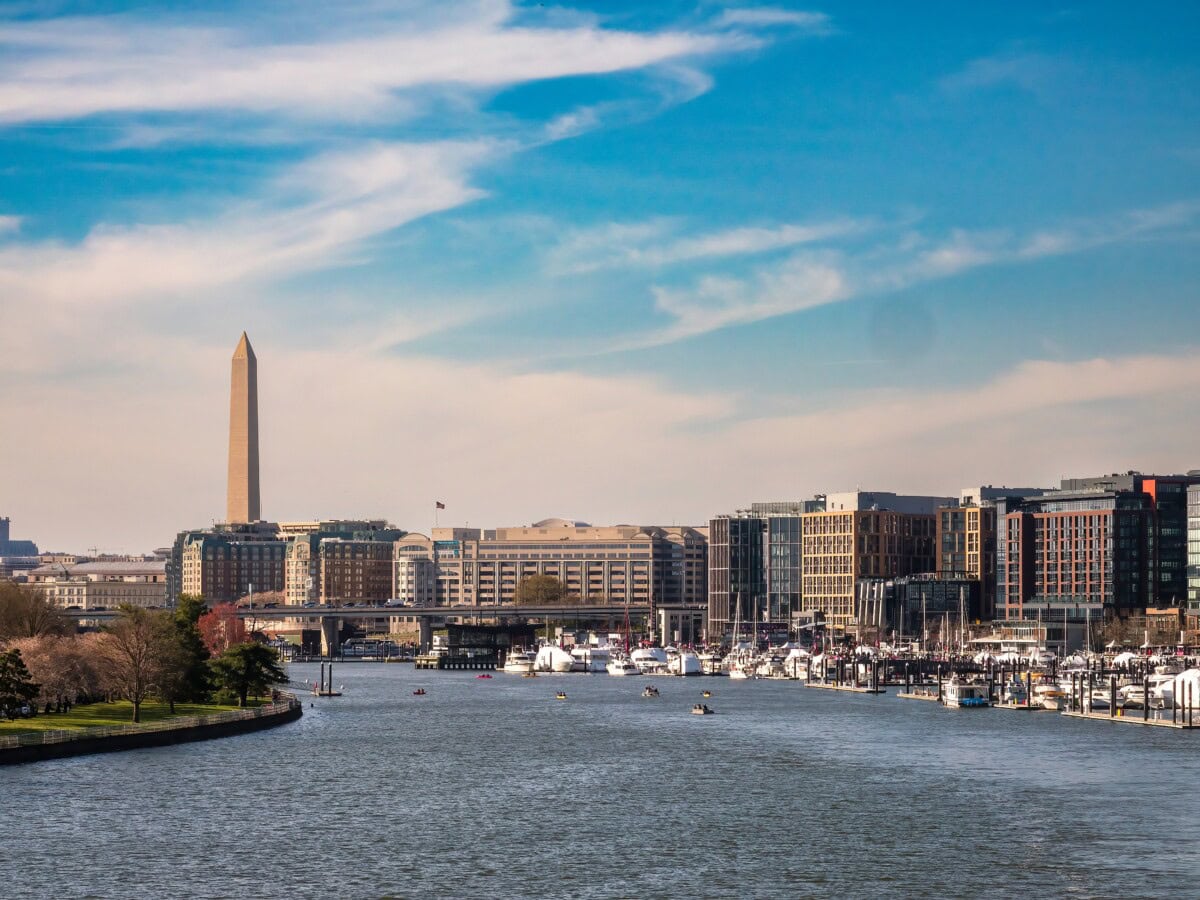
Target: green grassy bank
(100, 715)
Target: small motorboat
(484, 675)
(419, 692)
(701, 709)
(706, 694)
(650, 691)
(561, 695)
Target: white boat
(1049, 695)
(649, 660)
(964, 694)
(619, 665)
(551, 658)
(1099, 698)
(684, 662)
(1131, 696)
(589, 659)
(519, 662)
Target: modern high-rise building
(754, 566)
(1193, 571)
(1098, 547)
(966, 540)
(243, 499)
(864, 535)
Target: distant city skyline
(603, 261)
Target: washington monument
(243, 504)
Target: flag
(438, 504)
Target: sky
(620, 263)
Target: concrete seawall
(214, 726)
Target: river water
(492, 788)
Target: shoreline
(185, 730)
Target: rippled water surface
(492, 788)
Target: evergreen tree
(194, 684)
(249, 668)
(17, 688)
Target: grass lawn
(96, 715)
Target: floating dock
(1161, 722)
(845, 688)
(918, 696)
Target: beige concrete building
(622, 563)
(103, 585)
(242, 502)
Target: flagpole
(435, 513)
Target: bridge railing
(64, 735)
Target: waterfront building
(863, 534)
(665, 567)
(1193, 569)
(242, 500)
(966, 539)
(755, 564)
(1096, 548)
(103, 585)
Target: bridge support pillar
(425, 639)
(330, 636)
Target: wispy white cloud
(657, 243)
(9, 224)
(808, 279)
(308, 218)
(72, 68)
(1031, 72)
(768, 16)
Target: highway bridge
(330, 618)
(483, 611)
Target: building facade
(653, 565)
(1115, 545)
(231, 562)
(966, 539)
(1193, 571)
(103, 585)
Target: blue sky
(588, 260)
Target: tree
(63, 666)
(24, 612)
(17, 688)
(220, 628)
(542, 590)
(248, 668)
(135, 651)
(194, 683)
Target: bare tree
(133, 653)
(24, 612)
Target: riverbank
(33, 743)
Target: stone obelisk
(243, 505)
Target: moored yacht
(684, 662)
(586, 658)
(519, 662)
(964, 694)
(551, 658)
(649, 660)
(619, 665)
